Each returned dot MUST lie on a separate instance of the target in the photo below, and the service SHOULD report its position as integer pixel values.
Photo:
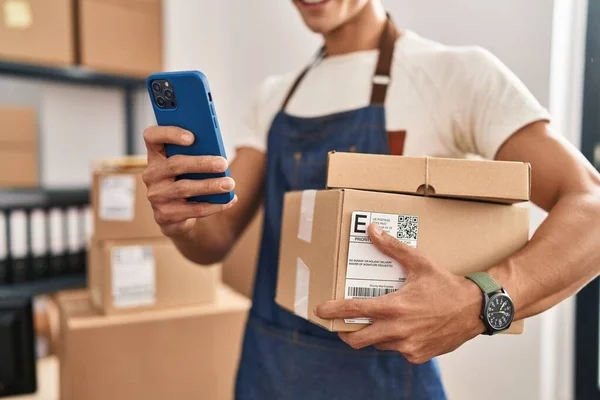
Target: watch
(498, 310)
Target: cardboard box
(134, 275)
(119, 201)
(121, 36)
(321, 237)
(493, 181)
(37, 31)
(182, 353)
(19, 166)
(239, 267)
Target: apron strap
(382, 77)
(300, 77)
(383, 71)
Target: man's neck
(360, 33)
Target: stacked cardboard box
(179, 353)
(18, 148)
(132, 266)
(115, 36)
(152, 325)
(121, 36)
(466, 215)
(38, 31)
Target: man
(371, 79)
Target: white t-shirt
(451, 101)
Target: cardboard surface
(37, 31)
(462, 236)
(19, 164)
(142, 223)
(121, 36)
(182, 353)
(239, 267)
(494, 181)
(178, 281)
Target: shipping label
(133, 276)
(117, 198)
(369, 272)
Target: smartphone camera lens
(156, 87)
(169, 94)
(160, 102)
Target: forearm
(561, 258)
(208, 240)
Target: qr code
(408, 227)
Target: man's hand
(434, 313)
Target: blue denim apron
(284, 356)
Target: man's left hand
(434, 313)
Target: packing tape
(301, 292)
(307, 212)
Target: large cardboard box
(182, 353)
(37, 31)
(19, 165)
(492, 181)
(141, 274)
(121, 36)
(326, 253)
(119, 201)
(239, 267)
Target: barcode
(368, 292)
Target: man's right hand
(172, 211)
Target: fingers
(179, 165)
(172, 213)
(156, 137)
(379, 332)
(371, 308)
(394, 248)
(186, 188)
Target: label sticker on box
(369, 272)
(133, 276)
(117, 198)
(17, 14)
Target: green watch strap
(485, 282)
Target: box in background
(181, 353)
(492, 181)
(239, 267)
(19, 166)
(121, 36)
(37, 31)
(326, 253)
(142, 274)
(120, 206)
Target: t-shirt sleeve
(256, 121)
(491, 104)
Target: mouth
(312, 3)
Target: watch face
(499, 311)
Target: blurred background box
(39, 31)
(181, 353)
(19, 166)
(144, 274)
(239, 267)
(120, 206)
(121, 36)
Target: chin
(324, 16)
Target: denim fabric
(284, 356)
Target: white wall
(76, 124)
(237, 44)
